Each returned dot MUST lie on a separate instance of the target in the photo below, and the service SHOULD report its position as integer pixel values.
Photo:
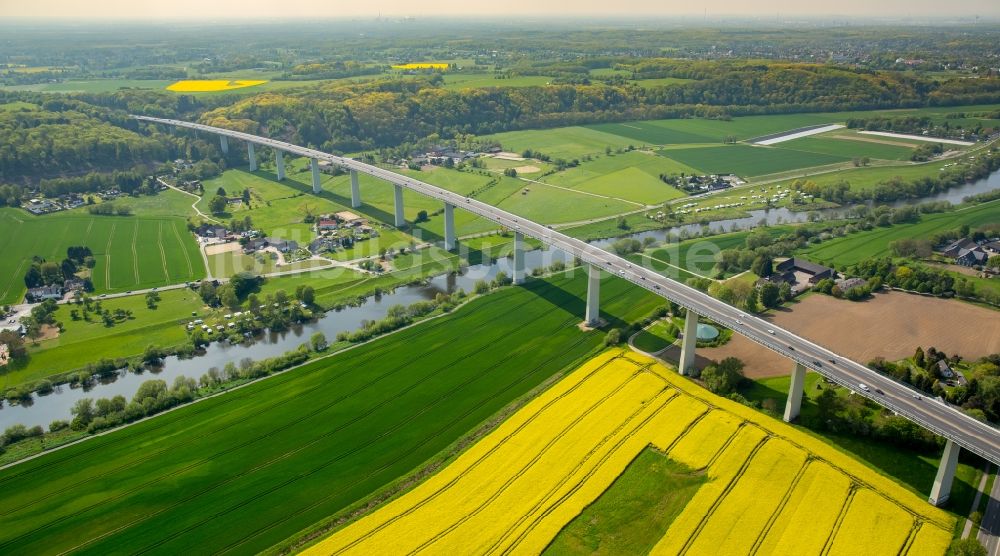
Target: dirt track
(891, 325)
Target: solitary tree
(318, 342)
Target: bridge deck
(938, 417)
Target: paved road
(936, 416)
(989, 529)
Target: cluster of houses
(55, 291)
(967, 252)
(442, 155)
(801, 274)
(44, 206)
(710, 182)
(332, 229)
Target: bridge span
(959, 429)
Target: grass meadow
(250, 468)
(747, 160)
(83, 342)
(859, 246)
(131, 252)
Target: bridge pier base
(689, 341)
(400, 221)
(314, 166)
(355, 190)
(224, 142)
(252, 156)
(519, 263)
(593, 316)
(794, 403)
(449, 229)
(279, 162)
(945, 474)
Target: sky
(203, 9)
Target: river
(43, 409)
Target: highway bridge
(960, 430)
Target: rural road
(194, 205)
(989, 530)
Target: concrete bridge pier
(252, 156)
(279, 161)
(688, 343)
(794, 402)
(449, 229)
(400, 220)
(519, 263)
(593, 316)
(945, 474)
(314, 166)
(224, 141)
(355, 190)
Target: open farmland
(633, 176)
(245, 470)
(898, 320)
(854, 248)
(846, 145)
(746, 160)
(770, 489)
(130, 252)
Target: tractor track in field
(8, 511)
(132, 490)
(586, 476)
(781, 505)
(524, 468)
(844, 508)
(722, 496)
(107, 257)
(480, 460)
(180, 242)
(371, 442)
(375, 472)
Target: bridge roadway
(936, 416)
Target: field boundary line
(502, 442)
(597, 466)
(213, 395)
(538, 457)
(327, 463)
(262, 465)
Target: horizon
(291, 10)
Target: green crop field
(131, 252)
(84, 342)
(250, 468)
(561, 142)
(481, 80)
(856, 247)
(746, 160)
(550, 205)
(831, 144)
(633, 176)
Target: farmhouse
(954, 248)
(348, 218)
(45, 292)
(324, 224)
(972, 257)
(283, 245)
(850, 283)
(813, 272)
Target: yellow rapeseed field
(210, 85)
(770, 489)
(421, 65)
